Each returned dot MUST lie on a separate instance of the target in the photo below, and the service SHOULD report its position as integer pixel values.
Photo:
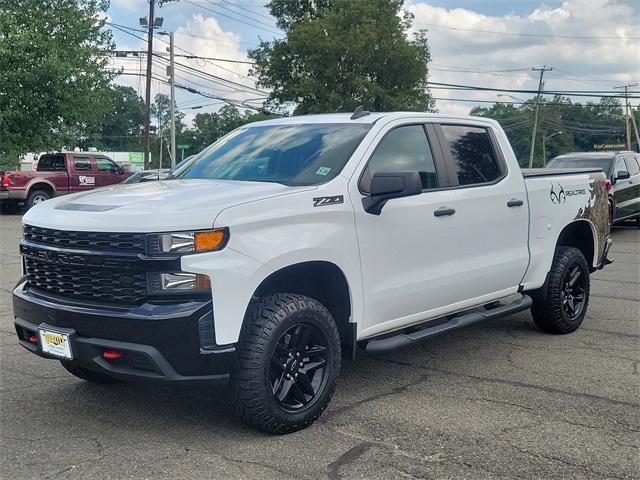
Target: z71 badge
(322, 201)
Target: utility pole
(173, 101)
(627, 116)
(542, 69)
(147, 97)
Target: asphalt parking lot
(498, 400)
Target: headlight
(178, 282)
(189, 242)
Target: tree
(120, 127)
(339, 54)
(583, 127)
(211, 126)
(52, 73)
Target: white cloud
(580, 64)
(203, 37)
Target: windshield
(577, 162)
(290, 154)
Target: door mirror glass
(622, 174)
(388, 185)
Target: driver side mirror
(622, 175)
(388, 185)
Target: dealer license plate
(55, 343)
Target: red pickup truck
(59, 174)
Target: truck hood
(151, 206)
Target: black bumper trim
(88, 353)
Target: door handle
(514, 203)
(441, 212)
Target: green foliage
(582, 125)
(339, 54)
(208, 127)
(52, 79)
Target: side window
(82, 164)
(621, 166)
(474, 160)
(403, 148)
(106, 165)
(632, 165)
(51, 163)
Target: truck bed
(549, 172)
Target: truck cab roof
(369, 118)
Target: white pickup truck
(290, 241)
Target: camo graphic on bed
(597, 211)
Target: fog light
(111, 354)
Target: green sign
(136, 157)
(182, 147)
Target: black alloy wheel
(289, 357)
(573, 292)
(561, 304)
(298, 367)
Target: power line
(240, 20)
(535, 35)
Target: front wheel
(289, 360)
(563, 306)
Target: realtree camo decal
(597, 211)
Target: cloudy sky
(591, 45)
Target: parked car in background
(147, 176)
(59, 174)
(622, 170)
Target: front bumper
(166, 342)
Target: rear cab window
(52, 163)
(471, 155)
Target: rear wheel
(37, 196)
(562, 307)
(88, 375)
(289, 360)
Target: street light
(544, 142)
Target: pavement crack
(543, 388)
(347, 458)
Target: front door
(409, 257)
(626, 191)
(108, 172)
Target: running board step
(405, 339)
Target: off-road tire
(88, 375)
(547, 309)
(252, 397)
(34, 195)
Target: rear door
(493, 211)
(82, 173)
(108, 172)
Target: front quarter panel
(270, 234)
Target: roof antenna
(359, 112)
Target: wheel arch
(40, 184)
(321, 280)
(581, 234)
